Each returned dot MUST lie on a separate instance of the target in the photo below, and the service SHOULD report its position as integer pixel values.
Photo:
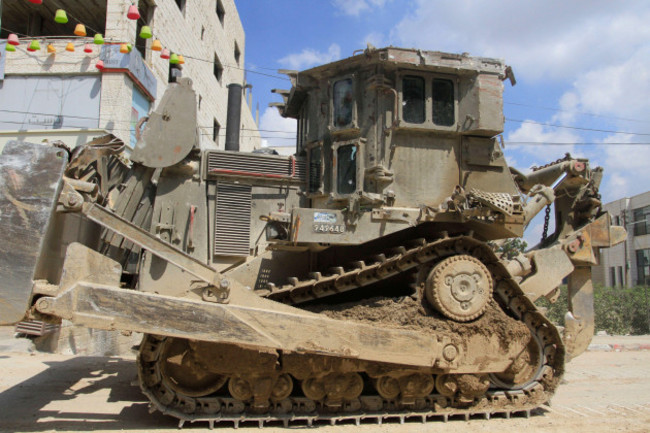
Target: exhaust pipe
(233, 119)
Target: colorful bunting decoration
(60, 16)
(80, 30)
(133, 13)
(34, 45)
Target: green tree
(510, 248)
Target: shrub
(617, 310)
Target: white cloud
(539, 154)
(355, 7)
(310, 57)
(553, 39)
(277, 130)
(619, 89)
(375, 38)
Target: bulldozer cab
(399, 127)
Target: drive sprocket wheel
(459, 287)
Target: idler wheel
(525, 369)
(459, 287)
(183, 374)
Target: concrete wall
(623, 256)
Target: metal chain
(547, 217)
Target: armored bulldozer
(357, 279)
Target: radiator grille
(232, 220)
(256, 164)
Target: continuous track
(369, 405)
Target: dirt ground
(39, 392)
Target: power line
(546, 143)
(576, 127)
(576, 112)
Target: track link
(301, 410)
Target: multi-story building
(53, 93)
(627, 264)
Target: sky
(582, 68)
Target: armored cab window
(443, 102)
(315, 169)
(343, 103)
(413, 107)
(346, 169)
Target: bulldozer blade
(30, 182)
(579, 320)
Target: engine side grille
(252, 164)
(232, 220)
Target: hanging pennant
(10, 48)
(36, 2)
(69, 47)
(13, 39)
(51, 49)
(88, 48)
(124, 49)
(164, 54)
(100, 65)
(99, 39)
(181, 59)
(156, 45)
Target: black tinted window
(443, 102)
(343, 102)
(346, 169)
(413, 99)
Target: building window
(443, 102)
(175, 72)
(215, 131)
(413, 109)
(612, 276)
(237, 53)
(202, 32)
(221, 12)
(181, 6)
(146, 15)
(621, 279)
(617, 220)
(25, 18)
(218, 69)
(343, 103)
(641, 221)
(643, 266)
